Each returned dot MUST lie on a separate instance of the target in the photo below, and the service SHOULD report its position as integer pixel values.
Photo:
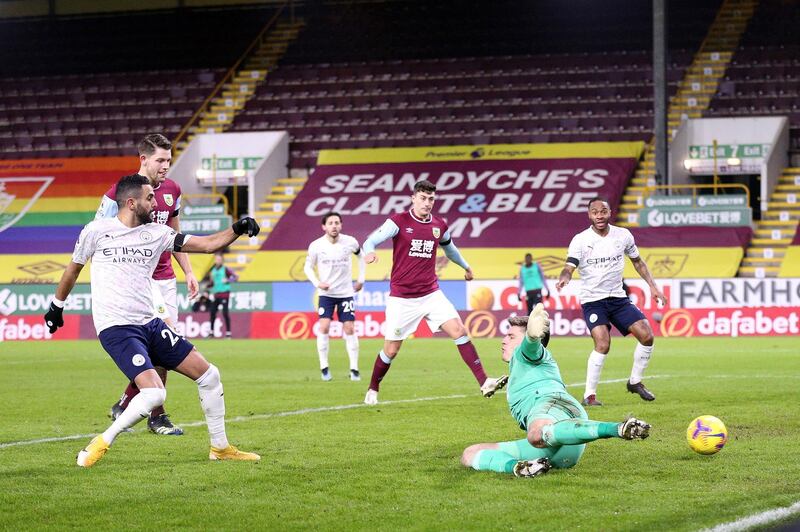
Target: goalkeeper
(556, 424)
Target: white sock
(138, 409)
(641, 358)
(322, 349)
(351, 343)
(209, 387)
(593, 369)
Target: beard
(143, 216)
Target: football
(706, 435)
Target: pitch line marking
(759, 519)
(302, 411)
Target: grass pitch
(331, 463)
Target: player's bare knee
(602, 346)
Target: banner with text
(489, 196)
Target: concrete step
(769, 242)
(274, 206)
(288, 190)
(271, 198)
(760, 261)
(787, 216)
(782, 205)
(756, 252)
(292, 181)
(774, 234)
(788, 225)
(759, 272)
(788, 197)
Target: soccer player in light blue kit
(556, 424)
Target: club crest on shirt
(437, 232)
(145, 236)
(169, 200)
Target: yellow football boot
(232, 453)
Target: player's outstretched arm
(565, 276)
(54, 317)
(220, 240)
(644, 272)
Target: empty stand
(397, 73)
(764, 75)
(95, 115)
(93, 85)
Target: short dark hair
(528, 255)
(150, 143)
(130, 186)
(424, 186)
(518, 321)
(598, 198)
(328, 215)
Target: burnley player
(414, 289)
(125, 251)
(154, 156)
(557, 427)
(330, 254)
(599, 255)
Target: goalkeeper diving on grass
(556, 425)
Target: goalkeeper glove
(538, 323)
(246, 225)
(54, 317)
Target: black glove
(54, 318)
(246, 225)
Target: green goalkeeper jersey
(533, 373)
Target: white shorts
(165, 299)
(404, 314)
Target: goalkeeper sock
(494, 460)
(470, 357)
(577, 431)
(379, 370)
